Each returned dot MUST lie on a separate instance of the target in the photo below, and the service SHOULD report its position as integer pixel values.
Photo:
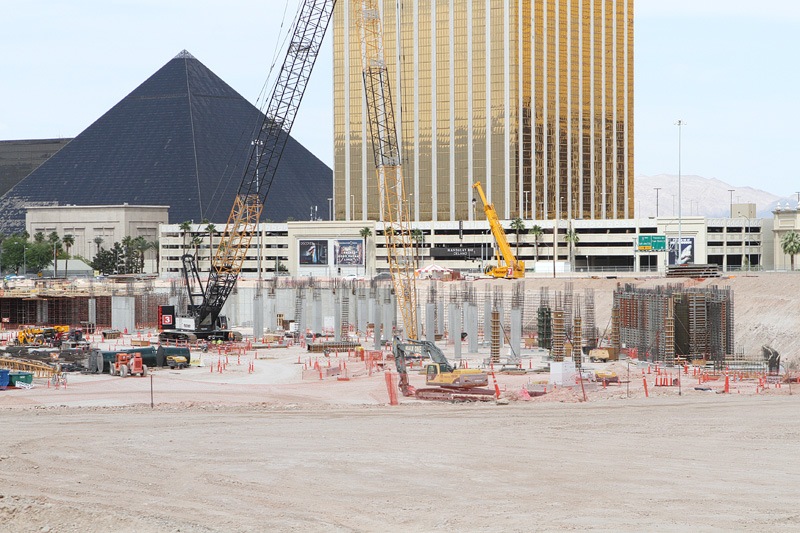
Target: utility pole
(657, 189)
(731, 191)
(679, 249)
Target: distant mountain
(708, 197)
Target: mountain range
(707, 197)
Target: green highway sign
(652, 243)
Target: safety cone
(496, 387)
(727, 385)
(644, 382)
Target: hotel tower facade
(533, 98)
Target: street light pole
(680, 232)
(731, 191)
(657, 189)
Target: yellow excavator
(507, 265)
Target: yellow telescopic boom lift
(507, 264)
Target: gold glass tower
(532, 98)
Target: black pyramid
(181, 139)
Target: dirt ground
(270, 450)
(268, 445)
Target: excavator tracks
(455, 395)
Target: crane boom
(508, 266)
(308, 32)
(386, 151)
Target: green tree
(211, 229)
(518, 226)
(155, 245)
(14, 252)
(572, 238)
(54, 241)
(196, 242)
(68, 241)
(185, 226)
(537, 233)
(98, 241)
(790, 244)
(140, 246)
(38, 237)
(365, 233)
(418, 237)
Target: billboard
(313, 252)
(682, 255)
(468, 251)
(348, 252)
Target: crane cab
(437, 374)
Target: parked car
(383, 276)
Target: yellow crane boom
(386, 150)
(507, 264)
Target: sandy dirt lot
(269, 450)
(273, 447)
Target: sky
(728, 69)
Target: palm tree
(141, 246)
(211, 228)
(518, 225)
(572, 238)
(185, 226)
(154, 244)
(537, 233)
(68, 241)
(196, 242)
(790, 244)
(365, 233)
(54, 241)
(419, 238)
(98, 241)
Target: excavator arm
(508, 265)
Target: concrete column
(471, 323)
(440, 316)
(487, 320)
(337, 318)
(258, 316)
(123, 313)
(271, 312)
(516, 332)
(92, 304)
(455, 328)
(430, 321)
(317, 323)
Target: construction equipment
(386, 152)
(128, 364)
(42, 335)
(177, 361)
(449, 383)
(206, 300)
(507, 264)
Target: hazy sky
(727, 68)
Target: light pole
(657, 189)
(257, 144)
(680, 233)
(731, 191)
(330, 208)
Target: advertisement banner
(348, 252)
(313, 252)
(683, 255)
(468, 251)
